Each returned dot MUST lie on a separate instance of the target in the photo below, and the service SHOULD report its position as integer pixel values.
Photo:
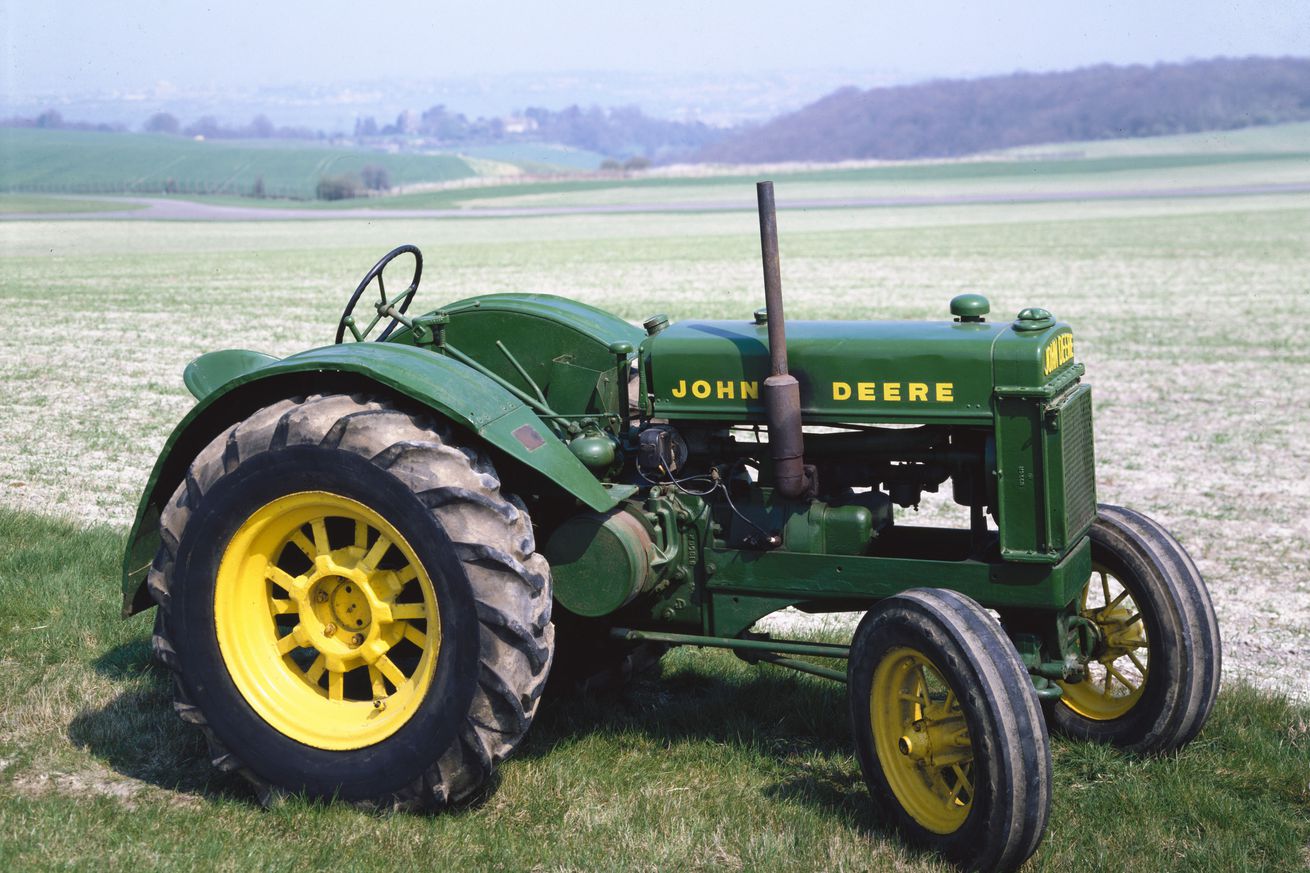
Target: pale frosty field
(1190, 315)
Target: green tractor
(367, 558)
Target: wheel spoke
(963, 783)
(284, 580)
(288, 643)
(370, 561)
(300, 541)
(1105, 587)
(335, 685)
(1112, 604)
(415, 636)
(361, 535)
(1137, 662)
(282, 607)
(1137, 616)
(321, 543)
(391, 671)
(407, 575)
(409, 611)
(375, 679)
(1110, 670)
(315, 671)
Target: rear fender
(235, 384)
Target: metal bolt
(357, 640)
(329, 629)
(379, 704)
(321, 597)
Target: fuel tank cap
(1034, 318)
(970, 307)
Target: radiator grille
(1079, 466)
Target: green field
(1189, 314)
(11, 204)
(113, 163)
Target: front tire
(948, 729)
(350, 606)
(1154, 677)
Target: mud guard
(232, 384)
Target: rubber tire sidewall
(888, 626)
(358, 774)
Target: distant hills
(959, 117)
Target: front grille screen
(1079, 465)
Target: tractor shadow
(710, 697)
(138, 735)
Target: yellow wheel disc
(922, 740)
(326, 620)
(1116, 675)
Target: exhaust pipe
(782, 393)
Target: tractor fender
(232, 384)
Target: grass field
(37, 203)
(1189, 314)
(81, 162)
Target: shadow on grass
(140, 736)
(798, 723)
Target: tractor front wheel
(1153, 676)
(948, 729)
(351, 607)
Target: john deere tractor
(367, 557)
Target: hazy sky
(66, 46)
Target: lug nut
(379, 704)
(357, 640)
(329, 629)
(321, 597)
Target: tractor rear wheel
(948, 729)
(1154, 674)
(350, 606)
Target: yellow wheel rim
(922, 740)
(1117, 672)
(326, 620)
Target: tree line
(959, 117)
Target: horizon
(723, 61)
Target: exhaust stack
(782, 393)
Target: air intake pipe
(782, 393)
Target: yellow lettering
(841, 391)
(1049, 365)
(750, 390)
(864, 390)
(681, 390)
(945, 392)
(700, 389)
(725, 390)
(918, 391)
(891, 390)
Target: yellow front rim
(1117, 672)
(922, 740)
(326, 620)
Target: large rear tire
(948, 729)
(1153, 679)
(350, 606)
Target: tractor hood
(868, 371)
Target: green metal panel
(455, 391)
(562, 345)
(867, 371)
(1035, 372)
(747, 585)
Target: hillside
(960, 117)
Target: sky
(79, 46)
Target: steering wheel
(385, 307)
